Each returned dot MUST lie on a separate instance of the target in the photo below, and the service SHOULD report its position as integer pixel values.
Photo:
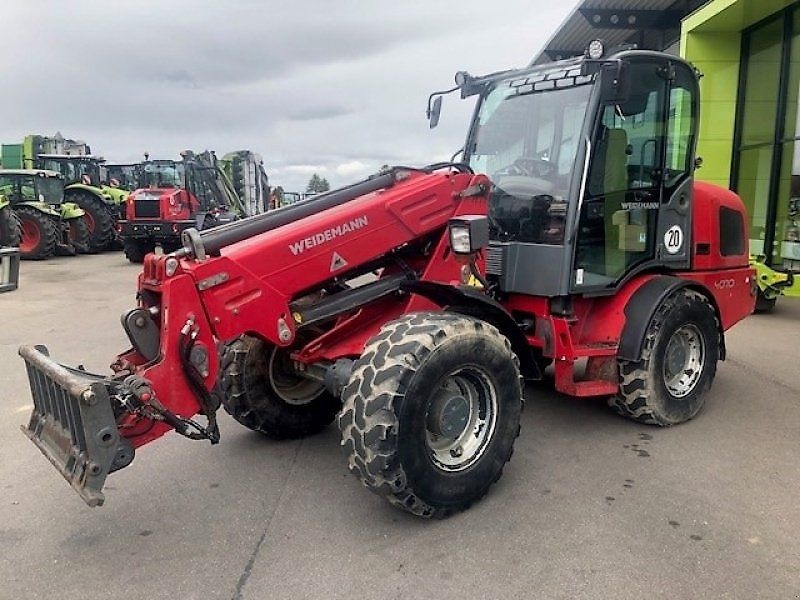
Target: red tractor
(411, 306)
(173, 196)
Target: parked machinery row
(56, 197)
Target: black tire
(657, 389)
(10, 232)
(136, 249)
(78, 235)
(391, 401)
(39, 234)
(763, 303)
(259, 390)
(99, 219)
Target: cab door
(634, 213)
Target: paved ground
(592, 506)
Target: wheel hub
(684, 359)
(461, 418)
(449, 416)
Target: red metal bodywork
(175, 204)
(249, 287)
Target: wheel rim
(460, 419)
(289, 385)
(684, 359)
(72, 232)
(31, 236)
(89, 221)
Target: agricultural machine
(245, 171)
(81, 171)
(409, 307)
(174, 196)
(47, 224)
(782, 279)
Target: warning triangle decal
(337, 262)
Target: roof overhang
(646, 23)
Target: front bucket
(73, 423)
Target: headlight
(468, 233)
(171, 266)
(459, 239)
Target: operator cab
(83, 169)
(592, 164)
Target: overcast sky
(334, 87)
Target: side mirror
(615, 85)
(434, 111)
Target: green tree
(317, 185)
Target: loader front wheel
(39, 236)
(137, 249)
(678, 362)
(98, 219)
(261, 389)
(431, 412)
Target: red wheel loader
(410, 307)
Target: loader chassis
(413, 303)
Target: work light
(595, 50)
(468, 233)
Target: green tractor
(103, 204)
(45, 223)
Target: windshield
(527, 143)
(52, 188)
(163, 175)
(75, 170)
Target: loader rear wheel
(261, 390)
(78, 235)
(39, 237)
(10, 231)
(98, 219)
(431, 412)
(667, 385)
(136, 249)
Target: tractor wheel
(667, 385)
(10, 230)
(262, 391)
(78, 235)
(431, 412)
(136, 249)
(98, 219)
(763, 303)
(39, 237)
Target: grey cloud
(309, 82)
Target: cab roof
(42, 172)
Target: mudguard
(116, 195)
(640, 310)
(42, 207)
(70, 210)
(473, 302)
(92, 190)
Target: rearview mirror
(434, 112)
(615, 85)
